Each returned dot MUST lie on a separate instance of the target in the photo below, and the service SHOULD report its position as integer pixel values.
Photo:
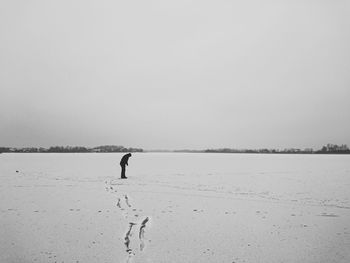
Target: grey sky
(175, 74)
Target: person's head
(129, 154)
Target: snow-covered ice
(175, 207)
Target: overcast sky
(175, 74)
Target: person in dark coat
(123, 163)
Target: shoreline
(204, 152)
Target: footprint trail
(129, 213)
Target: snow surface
(174, 207)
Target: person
(123, 163)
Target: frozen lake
(174, 207)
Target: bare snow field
(174, 207)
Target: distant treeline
(70, 149)
(327, 149)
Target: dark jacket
(125, 159)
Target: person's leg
(123, 171)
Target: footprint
(142, 233)
(127, 201)
(127, 238)
(118, 203)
